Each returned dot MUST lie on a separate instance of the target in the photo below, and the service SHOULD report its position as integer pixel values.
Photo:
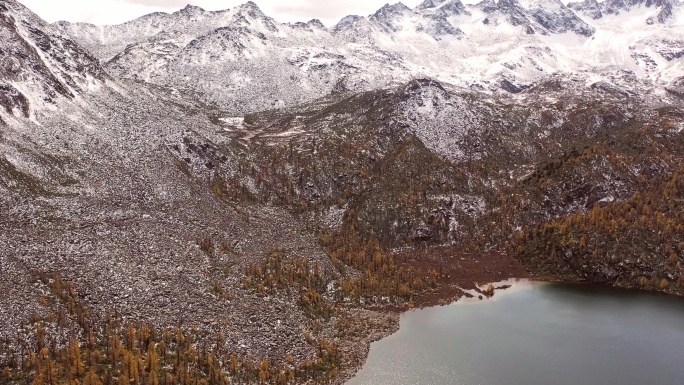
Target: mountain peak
(316, 23)
(455, 7)
(511, 10)
(427, 4)
(544, 16)
(346, 22)
(555, 17)
(443, 7)
(502, 4)
(251, 9)
(251, 5)
(616, 6)
(189, 11)
(393, 9)
(192, 9)
(387, 16)
(310, 25)
(590, 8)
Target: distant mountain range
(244, 60)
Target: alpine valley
(215, 197)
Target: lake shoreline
(585, 298)
(499, 286)
(350, 372)
(460, 274)
(474, 271)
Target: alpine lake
(536, 333)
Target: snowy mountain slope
(243, 60)
(107, 183)
(40, 64)
(662, 10)
(107, 41)
(546, 16)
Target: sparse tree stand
(644, 233)
(107, 353)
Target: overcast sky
(119, 11)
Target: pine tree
(152, 364)
(92, 378)
(75, 358)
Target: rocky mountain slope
(245, 61)
(219, 197)
(100, 219)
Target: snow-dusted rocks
(555, 17)
(446, 8)
(544, 16)
(243, 60)
(443, 121)
(389, 18)
(588, 8)
(13, 101)
(39, 63)
(438, 14)
(664, 9)
(346, 22)
(506, 10)
(677, 88)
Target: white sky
(119, 11)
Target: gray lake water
(537, 334)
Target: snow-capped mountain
(664, 9)
(244, 61)
(191, 21)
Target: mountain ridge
(497, 47)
